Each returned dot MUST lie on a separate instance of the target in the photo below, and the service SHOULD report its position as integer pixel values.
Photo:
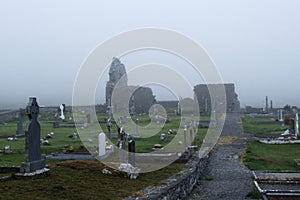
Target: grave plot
(277, 185)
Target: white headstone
(61, 107)
(102, 144)
(296, 125)
(280, 115)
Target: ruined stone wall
(204, 100)
(178, 186)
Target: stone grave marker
(89, 118)
(19, 131)
(184, 136)
(102, 144)
(296, 125)
(191, 135)
(62, 108)
(137, 132)
(280, 119)
(131, 150)
(6, 149)
(109, 125)
(33, 159)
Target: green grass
(271, 157)
(266, 156)
(83, 180)
(61, 137)
(257, 126)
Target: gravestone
(296, 125)
(56, 124)
(121, 144)
(292, 124)
(178, 109)
(6, 149)
(280, 119)
(109, 125)
(33, 159)
(137, 132)
(184, 135)
(62, 108)
(19, 131)
(191, 135)
(89, 118)
(131, 150)
(206, 106)
(102, 141)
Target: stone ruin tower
(117, 73)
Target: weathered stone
(33, 159)
(19, 131)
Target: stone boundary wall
(8, 116)
(178, 186)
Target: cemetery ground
(261, 156)
(72, 179)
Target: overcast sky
(255, 44)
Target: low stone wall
(8, 116)
(178, 186)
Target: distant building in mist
(140, 101)
(204, 98)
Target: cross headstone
(102, 141)
(19, 131)
(33, 159)
(62, 116)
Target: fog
(254, 44)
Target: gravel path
(225, 176)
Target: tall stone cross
(33, 159)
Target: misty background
(255, 44)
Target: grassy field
(262, 126)
(265, 156)
(271, 157)
(61, 138)
(83, 180)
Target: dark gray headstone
(56, 124)
(292, 125)
(109, 125)
(89, 118)
(131, 149)
(33, 158)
